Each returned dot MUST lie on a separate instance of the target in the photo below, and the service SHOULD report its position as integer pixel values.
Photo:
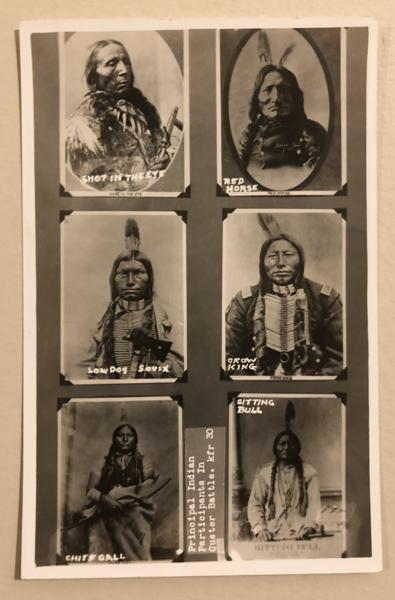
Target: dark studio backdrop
(205, 394)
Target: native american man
(279, 132)
(123, 528)
(132, 338)
(116, 131)
(285, 497)
(288, 323)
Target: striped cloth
(129, 315)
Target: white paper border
(28, 567)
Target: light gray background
(318, 426)
(304, 64)
(90, 245)
(238, 52)
(320, 234)
(157, 74)
(156, 71)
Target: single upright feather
(269, 225)
(132, 234)
(285, 54)
(289, 415)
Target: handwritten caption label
(204, 487)
(253, 406)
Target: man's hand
(305, 533)
(110, 504)
(264, 535)
(159, 164)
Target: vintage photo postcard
(179, 302)
(286, 477)
(119, 481)
(123, 112)
(123, 297)
(282, 319)
(281, 113)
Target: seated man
(116, 131)
(285, 497)
(288, 324)
(123, 528)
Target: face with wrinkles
(286, 448)
(113, 69)
(275, 96)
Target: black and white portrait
(278, 111)
(286, 488)
(283, 293)
(123, 111)
(119, 480)
(123, 296)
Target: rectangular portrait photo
(123, 297)
(281, 122)
(286, 491)
(119, 481)
(284, 294)
(124, 113)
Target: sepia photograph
(259, 277)
(123, 297)
(283, 291)
(286, 477)
(280, 111)
(119, 500)
(123, 112)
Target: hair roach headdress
(265, 53)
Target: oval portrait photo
(123, 111)
(279, 108)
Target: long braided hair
(107, 321)
(298, 464)
(108, 469)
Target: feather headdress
(132, 234)
(289, 415)
(269, 225)
(265, 52)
